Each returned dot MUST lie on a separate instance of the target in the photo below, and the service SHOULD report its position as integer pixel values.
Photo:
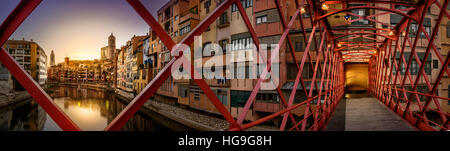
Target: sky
(80, 28)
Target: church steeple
(111, 48)
(112, 40)
(52, 58)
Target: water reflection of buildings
(100, 103)
(89, 109)
(25, 117)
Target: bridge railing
(413, 96)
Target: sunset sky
(79, 28)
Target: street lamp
(391, 33)
(324, 6)
(302, 10)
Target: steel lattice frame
(331, 86)
(382, 67)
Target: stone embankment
(191, 118)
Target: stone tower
(111, 47)
(52, 58)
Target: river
(91, 110)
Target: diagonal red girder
(12, 22)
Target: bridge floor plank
(365, 114)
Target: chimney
(23, 38)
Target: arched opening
(356, 79)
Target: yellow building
(30, 56)
(177, 18)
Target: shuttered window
(448, 29)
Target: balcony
(189, 16)
(223, 21)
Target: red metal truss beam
(258, 84)
(305, 35)
(427, 81)
(413, 50)
(422, 122)
(257, 43)
(370, 17)
(159, 79)
(12, 22)
(251, 98)
(363, 33)
(445, 13)
(269, 117)
(438, 54)
(299, 74)
(281, 15)
(395, 62)
(321, 82)
(422, 66)
(329, 106)
(366, 7)
(357, 29)
(268, 68)
(371, 1)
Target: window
(249, 3)
(234, 8)
(185, 30)
(308, 72)
(298, 44)
(242, 43)
(292, 71)
(207, 5)
(360, 12)
(435, 64)
(223, 19)
(268, 97)
(176, 33)
(223, 45)
(239, 98)
(222, 96)
(413, 30)
(399, 7)
(448, 29)
(183, 91)
(248, 71)
(414, 67)
(427, 27)
(428, 67)
(245, 4)
(176, 18)
(261, 19)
